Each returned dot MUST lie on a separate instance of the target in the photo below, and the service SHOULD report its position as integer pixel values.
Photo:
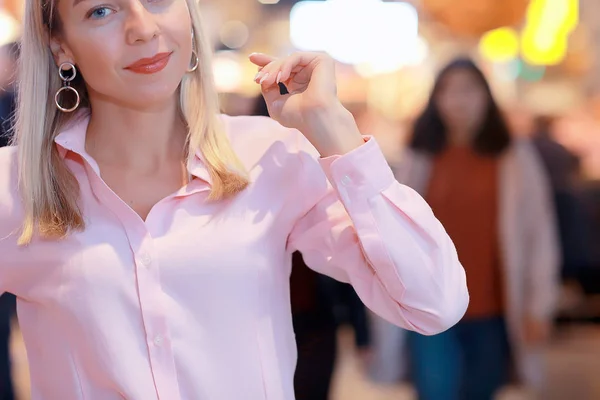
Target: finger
(271, 92)
(269, 80)
(304, 58)
(262, 71)
(270, 74)
(265, 74)
(260, 59)
(275, 71)
(295, 63)
(286, 71)
(316, 68)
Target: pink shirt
(193, 303)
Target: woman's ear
(60, 51)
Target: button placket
(154, 318)
(147, 280)
(145, 259)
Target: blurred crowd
(524, 222)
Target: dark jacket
(7, 110)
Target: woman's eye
(99, 13)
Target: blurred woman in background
(490, 193)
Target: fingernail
(279, 77)
(257, 76)
(264, 78)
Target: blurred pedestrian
(8, 61)
(8, 66)
(490, 192)
(564, 172)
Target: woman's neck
(134, 138)
(459, 138)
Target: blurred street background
(541, 60)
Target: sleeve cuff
(364, 169)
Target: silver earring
(195, 62)
(67, 87)
(194, 66)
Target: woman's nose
(141, 25)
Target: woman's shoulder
(258, 135)
(243, 127)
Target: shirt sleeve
(363, 227)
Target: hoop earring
(196, 62)
(67, 87)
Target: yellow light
(549, 24)
(500, 45)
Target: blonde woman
(148, 239)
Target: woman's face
(462, 101)
(133, 52)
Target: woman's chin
(152, 96)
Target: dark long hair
(431, 136)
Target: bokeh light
(378, 36)
(500, 45)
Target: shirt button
(158, 340)
(346, 180)
(145, 259)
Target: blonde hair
(49, 190)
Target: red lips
(150, 65)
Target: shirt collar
(72, 139)
(72, 136)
